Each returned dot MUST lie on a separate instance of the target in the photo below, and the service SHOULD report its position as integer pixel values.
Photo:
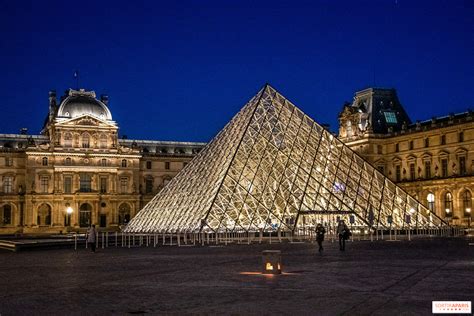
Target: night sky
(179, 70)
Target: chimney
(52, 104)
(105, 99)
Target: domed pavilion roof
(81, 102)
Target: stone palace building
(78, 172)
(432, 160)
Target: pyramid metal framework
(270, 165)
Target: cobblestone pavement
(376, 278)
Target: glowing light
(69, 210)
(448, 210)
(412, 211)
(468, 210)
(269, 266)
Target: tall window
(466, 203)
(44, 161)
(148, 185)
(44, 183)
(431, 202)
(427, 169)
(85, 183)
(123, 185)
(85, 140)
(448, 204)
(461, 137)
(124, 163)
(412, 172)
(397, 147)
(427, 142)
(103, 185)
(8, 184)
(443, 139)
(124, 214)
(44, 215)
(379, 149)
(68, 140)
(410, 145)
(68, 161)
(167, 165)
(8, 161)
(148, 164)
(462, 165)
(397, 173)
(6, 214)
(85, 214)
(444, 168)
(103, 141)
(103, 162)
(68, 184)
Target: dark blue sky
(179, 70)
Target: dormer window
(390, 117)
(66, 114)
(124, 163)
(45, 161)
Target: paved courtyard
(376, 278)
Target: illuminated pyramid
(268, 167)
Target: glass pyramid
(269, 168)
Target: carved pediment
(85, 120)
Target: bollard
(106, 239)
(75, 241)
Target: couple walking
(342, 231)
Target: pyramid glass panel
(269, 168)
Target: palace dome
(81, 102)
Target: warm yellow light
(279, 268)
(447, 210)
(468, 210)
(69, 210)
(269, 266)
(412, 211)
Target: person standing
(91, 237)
(342, 231)
(320, 231)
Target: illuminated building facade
(432, 160)
(78, 172)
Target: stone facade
(79, 164)
(432, 160)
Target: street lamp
(69, 211)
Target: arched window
(466, 203)
(6, 215)
(431, 202)
(124, 214)
(85, 211)
(103, 162)
(68, 140)
(448, 204)
(44, 215)
(86, 140)
(103, 141)
(124, 163)
(45, 161)
(68, 161)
